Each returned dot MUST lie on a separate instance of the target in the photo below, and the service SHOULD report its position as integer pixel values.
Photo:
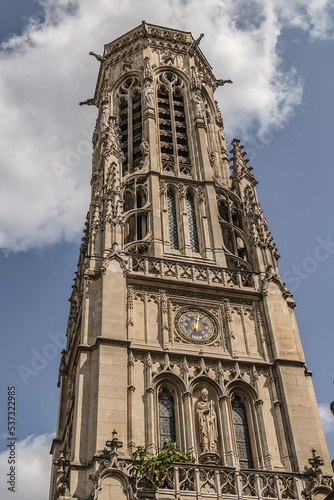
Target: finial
(144, 28)
(114, 443)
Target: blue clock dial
(196, 326)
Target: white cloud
(46, 71)
(32, 469)
(327, 418)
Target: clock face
(195, 326)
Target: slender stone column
(227, 434)
(189, 427)
(131, 391)
(263, 435)
(150, 441)
(278, 419)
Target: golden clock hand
(196, 324)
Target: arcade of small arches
(184, 220)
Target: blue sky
(280, 58)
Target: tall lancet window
(130, 121)
(172, 125)
(192, 223)
(172, 221)
(242, 434)
(166, 417)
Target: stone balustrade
(205, 482)
(195, 273)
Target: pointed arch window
(172, 124)
(130, 121)
(231, 223)
(172, 220)
(242, 434)
(166, 417)
(192, 223)
(136, 208)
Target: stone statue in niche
(148, 95)
(104, 117)
(207, 426)
(198, 104)
(145, 150)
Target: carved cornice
(191, 368)
(148, 33)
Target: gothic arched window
(230, 219)
(172, 124)
(166, 417)
(172, 220)
(130, 121)
(242, 434)
(192, 223)
(135, 201)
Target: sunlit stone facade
(180, 325)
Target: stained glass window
(192, 223)
(172, 221)
(242, 434)
(166, 417)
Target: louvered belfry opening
(172, 125)
(123, 121)
(136, 130)
(130, 122)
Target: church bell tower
(180, 326)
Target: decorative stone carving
(110, 139)
(195, 44)
(207, 426)
(195, 80)
(148, 70)
(104, 121)
(163, 187)
(272, 276)
(168, 58)
(127, 64)
(97, 56)
(111, 466)
(221, 82)
(182, 190)
(62, 483)
(321, 485)
(218, 115)
(105, 92)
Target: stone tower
(180, 326)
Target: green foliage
(155, 467)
